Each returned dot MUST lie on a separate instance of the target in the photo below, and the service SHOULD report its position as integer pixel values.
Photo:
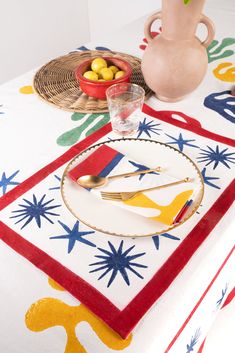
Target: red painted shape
(202, 346)
(229, 298)
(189, 123)
(94, 163)
(154, 34)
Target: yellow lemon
(101, 79)
(115, 69)
(90, 75)
(106, 73)
(98, 64)
(119, 74)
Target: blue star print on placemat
(35, 210)
(73, 235)
(141, 167)
(181, 142)
(216, 156)
(208, 179)
(156, 239)
(148, 128)
(117, 261)
(7, 181)
(56, 187)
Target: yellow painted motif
(54, 284)
(168, 212)
(50, 312)
(228, 75)
(26, 90)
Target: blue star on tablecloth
(148, 128)
(73, 235)
(7, 181)
(56, 187)
(141, 167)
(36, 210)
(156, 239)
(224, 291)
(117, 261)
(193, 341)
(208, 179)
(181, 142)
(216, 156)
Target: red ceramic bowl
(98, 89)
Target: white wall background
(33, 32)
(108, 15)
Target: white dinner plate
(108, 218)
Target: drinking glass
(125, 101)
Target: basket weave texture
(55, 82)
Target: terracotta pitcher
(175, 62)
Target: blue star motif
(56, 187)
(5, 182)
(141, 167)
(216, 156)
(224, 291)
(117, 261)
(74, 235)
(35, 210)
(207, 179)
(156, 239)
(147, 128)
(194, 341)
(181, 142)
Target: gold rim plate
(107, 218)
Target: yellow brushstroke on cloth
(168, 212)
(228, 75)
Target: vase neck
(179, 21)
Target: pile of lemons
(100, 71)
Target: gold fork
(126, 195)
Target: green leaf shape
(77, 116)
(215, 50)
(72, 136)
(98, 125)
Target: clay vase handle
(211, 30)
(148, 25)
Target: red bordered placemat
(122, 321)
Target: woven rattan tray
(56, 84)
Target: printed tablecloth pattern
(36, 224)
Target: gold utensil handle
(185, 180)
(158, 169)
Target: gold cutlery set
(93, 181)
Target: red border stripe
(229, 298)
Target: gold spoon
(95, 181)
